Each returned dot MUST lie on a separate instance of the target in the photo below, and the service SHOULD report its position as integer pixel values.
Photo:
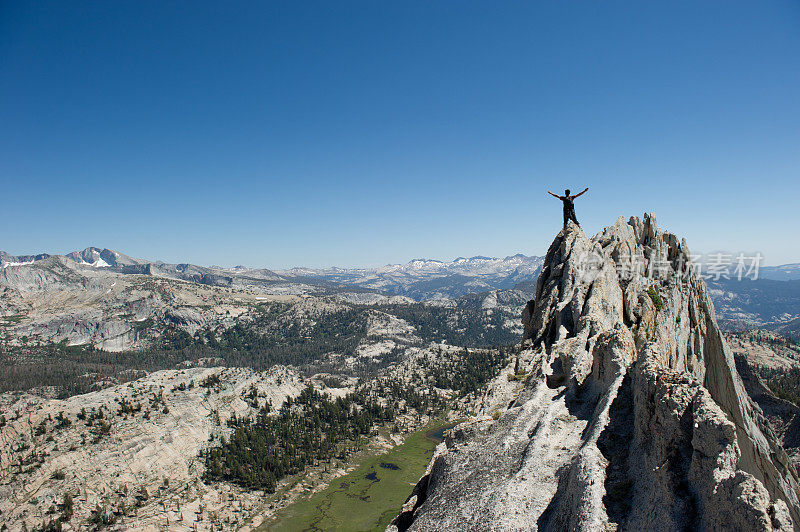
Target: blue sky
(278, 134)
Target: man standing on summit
(569, 207)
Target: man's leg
(573, 218)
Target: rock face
(116, 304)
(631, 414)
(146, 458)
(783, 416)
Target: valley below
(148, 396)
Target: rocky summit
(625, 409)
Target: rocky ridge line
(631, 414)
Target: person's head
(566, 192)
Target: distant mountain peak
(102, 258)
(427, 279)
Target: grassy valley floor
(369, 497)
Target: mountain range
(427, 279)
(106, 358)
(772, 301)
(420, 279)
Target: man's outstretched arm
(557, 196)
(579, 193)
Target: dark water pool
(438, 433)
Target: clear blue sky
(361, 133)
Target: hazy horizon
(705, 254)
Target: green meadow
(369, 497)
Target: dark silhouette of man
(569, 207)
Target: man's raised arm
(579, 193)
(556, 196)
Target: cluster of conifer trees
(463, 325)
(307, 429)
(271, 339)
(314, 427)
(467, 371)
(785, 383)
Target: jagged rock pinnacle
(632, 414)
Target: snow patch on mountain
(430, 279)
